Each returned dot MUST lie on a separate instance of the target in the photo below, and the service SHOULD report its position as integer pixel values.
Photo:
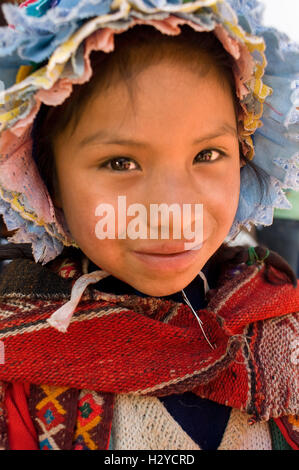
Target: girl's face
(176, 142)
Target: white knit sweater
(143, 423)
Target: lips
(163, 249)
(167, 261)
(160, 254)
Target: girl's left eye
(210, 155)
(119, 164)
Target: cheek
(81, 210)
(221, 201)
(78, 203)
(228, 194)
(107, 253)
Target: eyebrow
(105, 137)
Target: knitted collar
(45, 50)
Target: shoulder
(258, 289)
(264, 278)
(24, 276)
(264, 317)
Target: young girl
(115, 340)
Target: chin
(157, 289)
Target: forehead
(163, 95)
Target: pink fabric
(26, 3)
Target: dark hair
(106, 68)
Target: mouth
(153, 253)
(167, 249)
(167, 261)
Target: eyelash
(128, 159)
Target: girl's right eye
(119, 164)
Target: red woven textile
(21, 432)
(149, 346)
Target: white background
(283, 15)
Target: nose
(173, 207)
(170, 183)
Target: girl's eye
(119, 164)
(123, 164)
(209, 155)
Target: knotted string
(253, 257)
(62, 317)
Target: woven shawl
(147, 346)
